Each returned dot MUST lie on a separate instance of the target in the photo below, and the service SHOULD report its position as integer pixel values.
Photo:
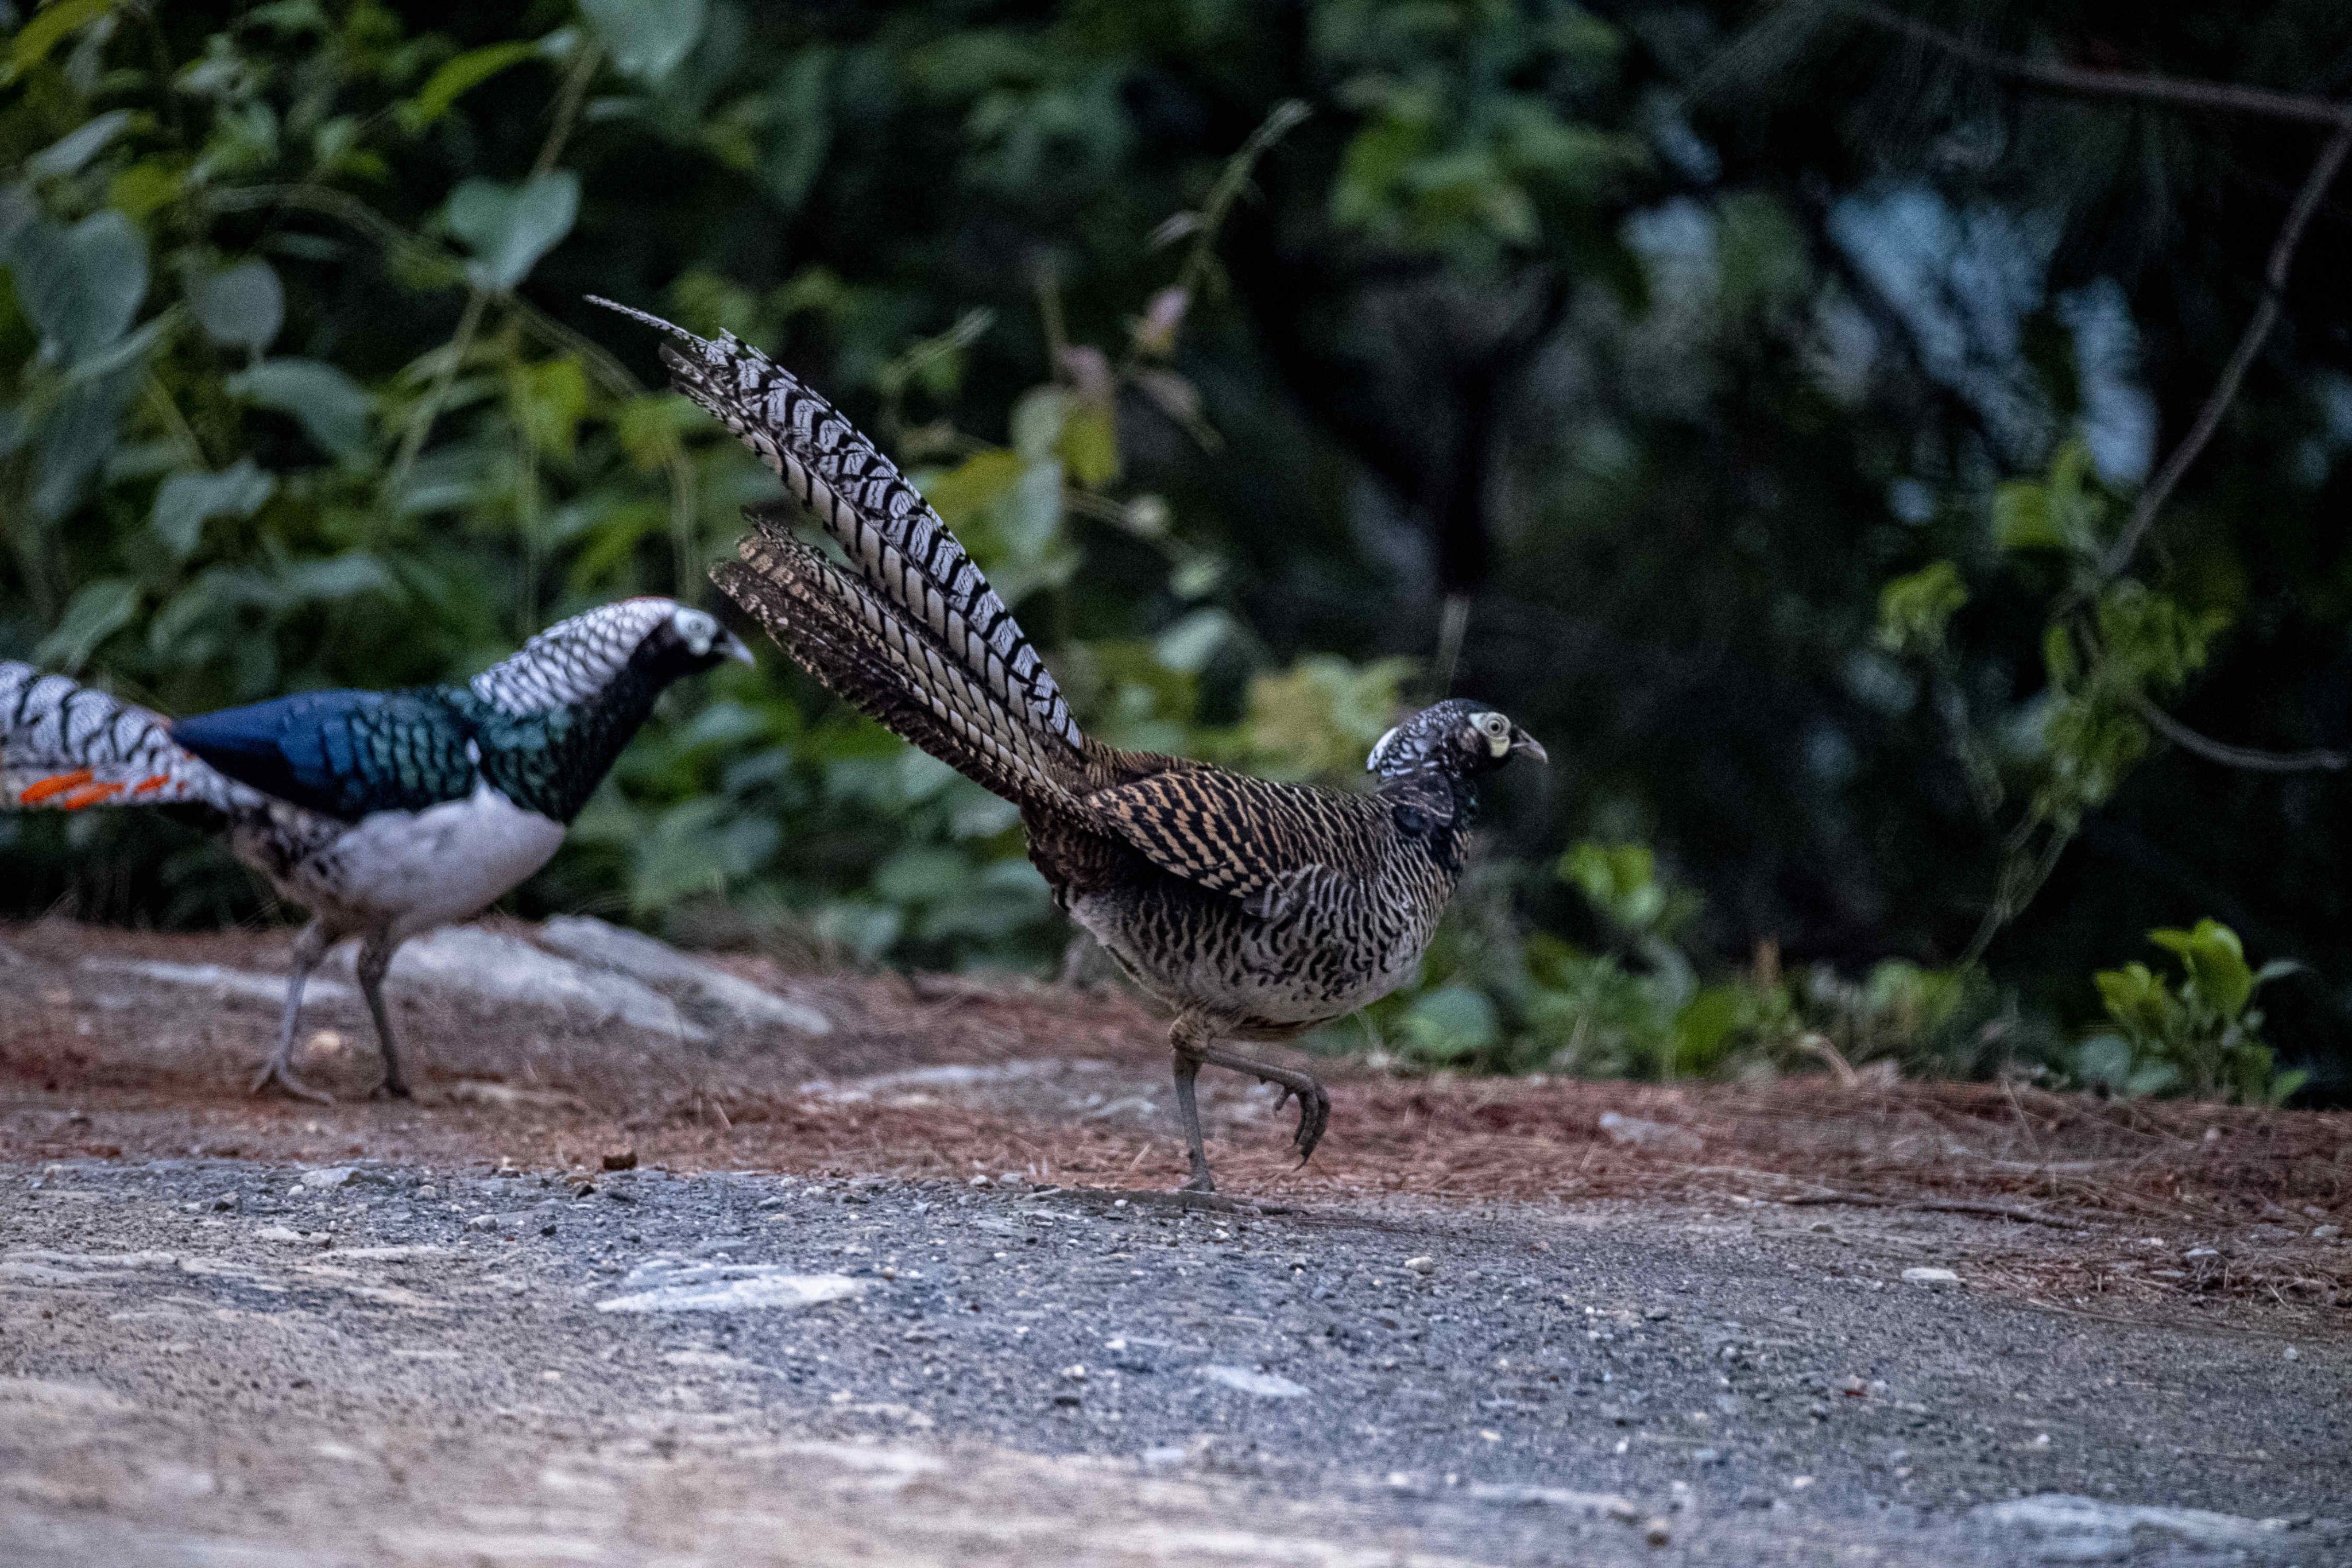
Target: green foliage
(1493, 996)
(2203, 1037)
(1447, 156)
(1915, 610)
(1215, 329)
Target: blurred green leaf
(2104, 1060)
(2022, 520)
(460, 75)
(647, 39)
(82, 286)
(1915, 610)
(49, 27)
(97, 612)
(70, 153)
(921, 875)
(76, 434)
(241, 307)
(2216, 962)
(330, 407)
(185, 502)
(1088, 445)
(509, 227)
(1450, 1023)
(550, 399)
(1193, 642)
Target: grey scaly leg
(309, 949)
(375, 958)
(1188, 1067)
(1190, 1037)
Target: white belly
(412, 871)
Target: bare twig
(469, 322)
(573, 93)
(2225, 97)
(2209, 418)
(2228, 755)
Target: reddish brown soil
(88, 1068)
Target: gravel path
(223, 1363)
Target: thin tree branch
(2226, 97)
(2209, 418)
(567, 115)
(2228, 755)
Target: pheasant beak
(732, 647)
(1526, 744)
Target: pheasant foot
(280, 1072)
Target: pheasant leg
(309, 949)
(375, 958)
(1314, 1104)
(1188, 1067)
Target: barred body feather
(1248, 907)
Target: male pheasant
(384, 813)
(1252, 909)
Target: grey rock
(484, 965)
(1592, 1504)
(601, 946)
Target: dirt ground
(1516, 1320)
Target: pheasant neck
(1436, 806)
(551, 762)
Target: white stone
(1264, 1385)
(2088, 1520)
(1592, 1504)
(602, 946)
(1931, 1277)
(728, 1288)
(245, 985)
(1635, 1133)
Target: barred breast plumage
(1249, 908)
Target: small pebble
(1657, 1532)
(1421, 1265)
(1931, 1277)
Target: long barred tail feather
(68, 747)
(842, 633)
(890, 534)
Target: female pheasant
(384, 813)
(1252, 909)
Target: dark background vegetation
(1608, 362)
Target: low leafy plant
(2203, 1037)
(1494, 994)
